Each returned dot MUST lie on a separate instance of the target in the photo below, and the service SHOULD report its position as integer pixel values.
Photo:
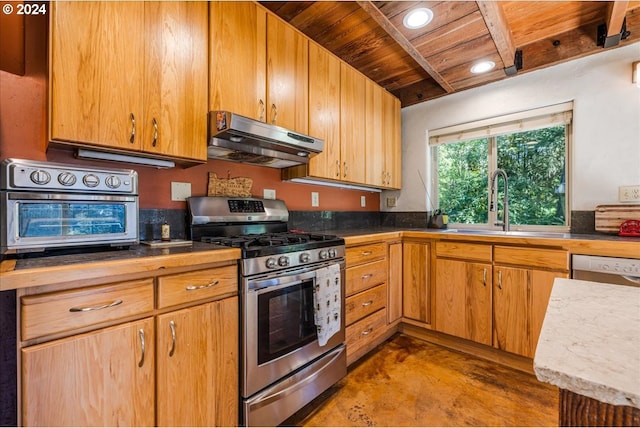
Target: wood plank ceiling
(433, 61)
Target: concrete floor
(408, 382)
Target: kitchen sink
(530, 234)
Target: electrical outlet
(180, 191)
(392, 202)
(629, 193)
(363, 201)
(269, 193)
(315, 199)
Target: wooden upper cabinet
(375, 135)
(97, 80)
(130, 75)
(392, 141)
(237, 58)
(352, 125)
(324, 111)
(175, 115)
(287, 76)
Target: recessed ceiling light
(417, 18)
(482, 67)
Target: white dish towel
(327, 297)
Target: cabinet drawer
(461, 250)
(365, 253)
(51, 313)
(532, 257)
(365, 331)
(365, 276)
(362, 304)
(198, 285)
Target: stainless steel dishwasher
(611, 270)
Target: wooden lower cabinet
(394, 302)
(520, 298)
(363, 335)
(415, 274)
(463, 299)
(101, 378)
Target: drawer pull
(172, 326)
(366, 253)
(95, 308)
(200, 287)
(142, 347)
(367, 303)
(367, 276)
(367, 331)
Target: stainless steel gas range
(287, 357)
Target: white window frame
(554, 115)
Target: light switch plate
(315, 199)
(363, 201)
(629, 193)
(180, 191)
(269, 193)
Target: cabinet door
(392, 141)
(237, 58)
(479, 303)
(352, 125)
(324, 111)
(97, 66)
(197, 362)
(394, 303)
(541, 284)
(415, 273)
(176, 74)
(511, 310)
(103, 378)
(375, 135)
(287, 76)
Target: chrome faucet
(493, 206)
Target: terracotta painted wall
(23, 134)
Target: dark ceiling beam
(500, 31)
(616, 11)
(404, 43)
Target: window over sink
(532, 147)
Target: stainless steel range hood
(240, 139)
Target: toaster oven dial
(66, 179)
(283, 261)
(40, 177)
(112, 181)
(91, 180)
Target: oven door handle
(279, 282)
(68, 197)
(276, 393)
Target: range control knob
(271, 263)
(324, 254)
(91, 180)
(40, 177)
(67, 179)
(113, 182)
(332, 252)
(305, 258)
(283, 261)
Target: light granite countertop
(590, 341)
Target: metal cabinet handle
(500, 279)
(388, 178)
(261, 110)
(384, 177)
(200, 287)
(367, 276)
(366, 253)
(337, 168)
(370, 302)
(367, 331)
(484, 277)
(96, 308)
(172, 326)
(274, 109)
(132, 136)
(155, 132)
(142, 347)
(344, 165)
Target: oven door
(40, 221)
(279, 332)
